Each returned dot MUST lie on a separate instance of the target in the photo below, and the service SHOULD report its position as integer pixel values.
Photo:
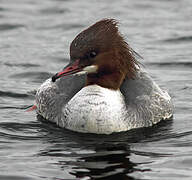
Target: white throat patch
(88, 70)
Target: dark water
(34, 42)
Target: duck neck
(110, 81)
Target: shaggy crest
(103, 36)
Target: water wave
(6, 27)
(179, 39)
(13, 94)
(26, 65)
(33, 76)
(174, 64)
(54, 10)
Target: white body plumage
(95, 109)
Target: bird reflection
(108, 162)
(87, 156)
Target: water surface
(34, 44)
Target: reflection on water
(102, 156)
(108, 162)
(35, 38)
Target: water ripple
(179, 39)
(65, 26)
(24, 107)
(6, 27)
(26, 65)
(17, 137)
(15, 177)
(21, 131)
(33, 76)
(151, 154)
(54, 10)
(13, 94)
(2, 9)
(168, 64)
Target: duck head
(101, 52)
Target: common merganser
(105, 90)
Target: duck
(103, 89)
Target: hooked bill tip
(54, 78)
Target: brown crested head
(99, 37)
(102, 46)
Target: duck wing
(146, 103)
(52, 96)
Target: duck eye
(92, 54)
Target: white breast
(95, 109)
